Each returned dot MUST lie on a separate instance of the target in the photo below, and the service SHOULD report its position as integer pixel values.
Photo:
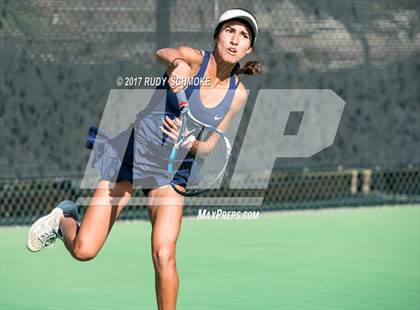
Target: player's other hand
(171, 127)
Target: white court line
(189, 201)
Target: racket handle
(182, 99)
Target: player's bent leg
(165, 213)
(104, 208)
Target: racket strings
(210, 160)
(205, 161)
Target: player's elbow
(160, 53)
(164, 54)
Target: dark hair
(252, 67)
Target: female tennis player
(234, 38)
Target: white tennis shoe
(46, 229)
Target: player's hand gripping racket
(199, 156)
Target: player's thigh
(165, 214)
(104, 207)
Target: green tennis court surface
(335, 259)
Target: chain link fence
(60, 58)
(23, 201)
(312, 35)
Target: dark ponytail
(252, 67)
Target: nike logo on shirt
(216, 118)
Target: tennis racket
(200, 154)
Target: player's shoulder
(241, 93)
(240, 97)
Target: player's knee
(84, 252)
(164, 257)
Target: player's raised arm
(168, 56)
(180, 62)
